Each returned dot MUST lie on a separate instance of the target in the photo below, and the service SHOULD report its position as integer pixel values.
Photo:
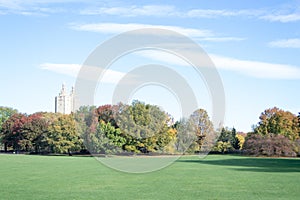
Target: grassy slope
(215, 177)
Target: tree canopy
(144, 128)
(278, 121)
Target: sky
(255, 46)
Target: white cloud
(66, 69)
(119, 28)
(282, 18)
(201, 13)
(115, 28)
(287, 43)
(255, 69)
(211, 13)
(34, 7)
(110, 76)
(167, 10)
(275, 14)
(162, 57)
(222, 39)
(133, 11)
(19, 3)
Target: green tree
(107, 139)
(5, 114)
(222, 147)
(234, 140)
(62, 136)
(225, 135)
(138, 127)
(145, 127)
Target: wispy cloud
(211, 13)
(133, 11)
(115, 28)
(287, 43)
(257, 69)
(223, 39)
(119, 28)
(110, 76)
(66, 69)
(20, 3)
(249, 68)
(167, 10)
(34, 7)
(275, 14)
(284, 18)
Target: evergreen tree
(234, 140)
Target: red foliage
(107, 114)
(268, 145)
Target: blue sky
(255, 46)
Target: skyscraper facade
(64, 102)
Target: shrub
(268, 145)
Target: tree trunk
(5, 147)
(69, 152)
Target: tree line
(144, 128)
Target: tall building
(64, 102)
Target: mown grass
(215, 177)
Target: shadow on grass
(253, 164)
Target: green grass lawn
(215, 177)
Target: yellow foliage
(241, 140)
(170, 147)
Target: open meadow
(214, 177)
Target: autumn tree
(169, 141)
(203, 128)
(107, 113)
(62, 136)
(186, 139)
(86, 119)
(34, 133)
(5, 113)
(27, 133)
(241, 141)
(299, 122)
(39, 127)
(277, 121)
(13, 131)
(195, 133)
